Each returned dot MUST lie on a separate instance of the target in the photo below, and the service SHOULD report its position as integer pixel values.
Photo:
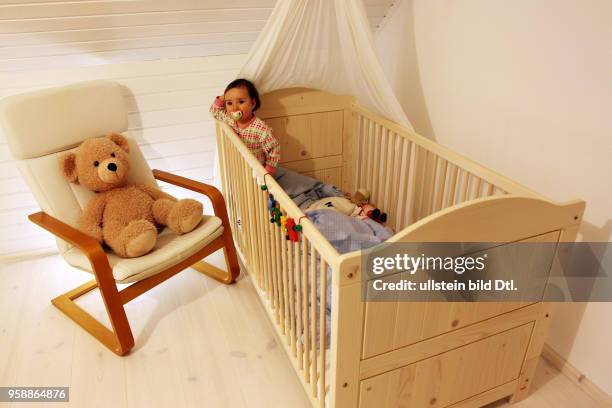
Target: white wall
(524, 87)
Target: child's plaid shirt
(257, 136)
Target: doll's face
(238, 100)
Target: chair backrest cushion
(55, 119)
(59, 120)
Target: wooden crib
(392, 354)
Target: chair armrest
(92, 249)
(211, 192)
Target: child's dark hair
(245, 83)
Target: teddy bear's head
(99, 164)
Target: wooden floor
(198, 344)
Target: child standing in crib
(236, 107)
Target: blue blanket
(304, 190)
(346, 233)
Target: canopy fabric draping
(322, 44)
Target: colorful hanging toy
(276, 214)
(292, 230)
(283, 222)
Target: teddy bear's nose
(112, 167)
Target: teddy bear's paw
(140, 237)
(185, 215)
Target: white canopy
(322, 44)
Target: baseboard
(586, 385)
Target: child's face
(238, 99)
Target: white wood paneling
(59, 34)
(54, 34)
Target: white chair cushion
(169, 250)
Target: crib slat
(285, 294)
(277, 278)
(322, 331)
(423, 169)
(371, 141)
(259, 217)
(432, 186)
(453, 186)
(241, 204)
(224, 166)
(298, 283)
(264, 241)
(266, 248)
(249, 221)
(271, 263)
(478, 188)
(235, 196)
(234, 170)
(403, 168)
(291, 270)
(465, 186)
(313, 308)
(375, 166)
(406, 172)
(390, 198)
(490, 190)
(363, 178)
(384, 161)
(412, 197)
(357, 119)
(441, 187)
(307, 289)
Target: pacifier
(236, 115)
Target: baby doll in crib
(236, 108)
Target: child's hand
(219, 101)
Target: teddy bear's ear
(120, 141)
(68, 167)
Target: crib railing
(292, 277)
(411, 177)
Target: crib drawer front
(453, 376)
(393, 325)
(310, 136)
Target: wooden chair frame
(120, 340)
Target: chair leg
(231, 260)
(120, 340)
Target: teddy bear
(124, 216)
(361, 199)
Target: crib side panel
(292, 270)
(411, 177)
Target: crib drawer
(309, 136)
(453, 376)
(392, 325)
